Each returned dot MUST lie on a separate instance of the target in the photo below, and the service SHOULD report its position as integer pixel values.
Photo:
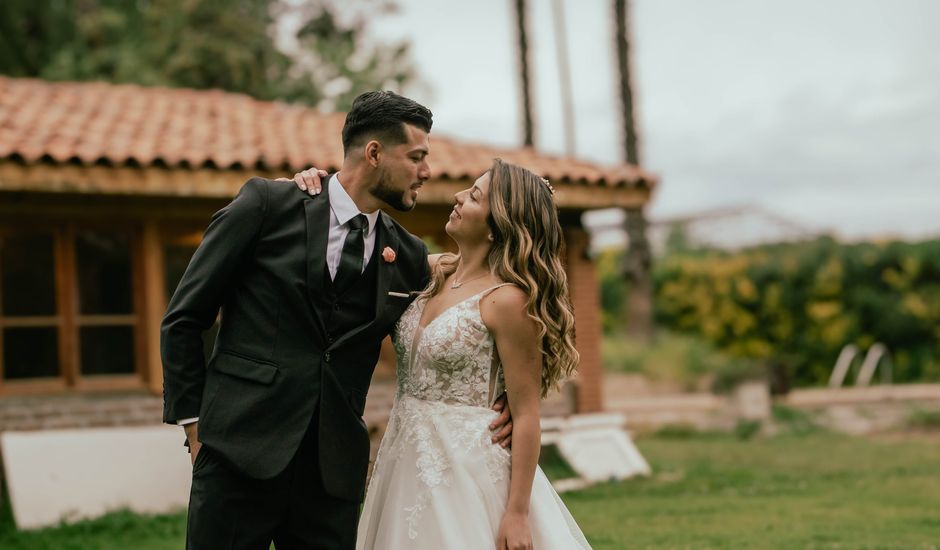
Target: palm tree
(564, 75)
(638, 259)
(521, 11)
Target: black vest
(344, 311)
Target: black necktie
(350, 261)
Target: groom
(308, 287)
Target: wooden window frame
(69, 320)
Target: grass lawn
(816, 490)
(117, 531)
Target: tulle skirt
(439, 483)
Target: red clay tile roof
(103, 123)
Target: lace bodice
(453, 359)
(448, 377)
(439, 480)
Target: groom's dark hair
(382, 115)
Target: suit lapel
(317, 212)
(385, 237)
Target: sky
(826, 113)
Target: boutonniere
(388, 254)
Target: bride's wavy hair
(526, 251)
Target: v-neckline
(443, 312)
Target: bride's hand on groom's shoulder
(502, 425)
(514, 533)
(308, 180)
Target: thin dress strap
(491, 289)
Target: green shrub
(731, 372)
(682, 359)
(924, 419)
(793, 420)
(796, 306)
(747, 429)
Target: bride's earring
(490, 237)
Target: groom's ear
(373, 151)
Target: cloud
(840, 162)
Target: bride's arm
(517, 343)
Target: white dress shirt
(342, 209)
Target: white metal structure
(878, 353)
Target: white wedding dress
(439, 482)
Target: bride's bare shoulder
(505, 305)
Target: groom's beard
(383, 191)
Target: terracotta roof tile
(129, 124)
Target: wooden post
(155, 301)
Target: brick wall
(585, 299)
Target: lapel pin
(388, 254)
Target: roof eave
(223, 184)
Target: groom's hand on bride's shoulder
(502, 426)
(308, 180)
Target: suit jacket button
(326, 357)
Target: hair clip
(549, 185)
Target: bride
(496, 317)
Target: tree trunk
(638, 260)
(521, 27)
(631, 151)
(636, 271)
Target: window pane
(30, 353)
(107, 350)
(104, 272)
(28, 274)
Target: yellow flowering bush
(794, 306)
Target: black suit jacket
(261, 260)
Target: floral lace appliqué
(448, 376)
